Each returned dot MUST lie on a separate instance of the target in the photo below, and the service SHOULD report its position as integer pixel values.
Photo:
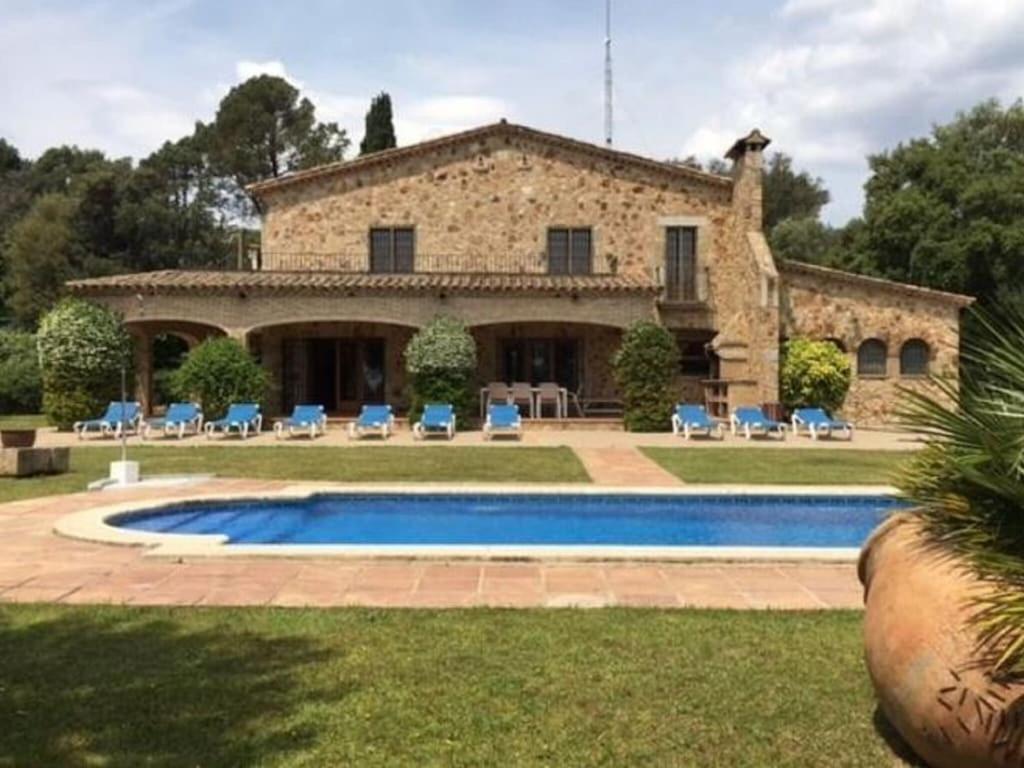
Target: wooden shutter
(580, 252)
(558, 251)
(380, 250)
(404, 250)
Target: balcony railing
(469, 263)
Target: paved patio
(38, 565)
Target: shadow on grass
(892, 738)
(96, 688)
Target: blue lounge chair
(119, 417)
(180, 418)
(751, 420)
(817, 422)
(689, 419)
(242, 418)
(373, 419)
(437, 419)
(503, 419)
(304, 418)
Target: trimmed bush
(21, 388)
(441, 362)
(814, 374)
(645, 367)
(82, 348)
(219, 372)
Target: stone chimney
(747, 156)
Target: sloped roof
(183, 281)
(799, 267)
(501, 128)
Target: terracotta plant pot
(17, 438)
(928, 667)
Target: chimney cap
(755, 140)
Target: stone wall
(828, 305)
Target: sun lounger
(691, 419)
(307, 419)
(242, 418)
(119, 417)
(817, 423)
(751, 420)
(437, 419)
(373, 419)
(179, 419)
(503, 420)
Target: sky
(830, 81)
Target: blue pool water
(612, 519)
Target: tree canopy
(380, 127)
(789, 194)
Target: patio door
(362, 373)
(340, 374)
(540, 360)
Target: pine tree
(380, 129)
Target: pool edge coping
(92, 525)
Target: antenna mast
(608, 72)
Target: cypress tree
(380, 129)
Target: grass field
(230, 687)
(772, 465)
(363, 464)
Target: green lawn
(16, 421)
(362, 464)
(233, 687)
(775, 465)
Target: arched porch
(148, 337)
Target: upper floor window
(914, 358)
(570, 251)
(681, 263)
(392, 249)
(872, 357)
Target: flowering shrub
(82, 348)
(645, 367)
(217, 373)
(814, 374)
(441, 362)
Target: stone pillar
(143, 364)
(747, 156)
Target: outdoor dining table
(561, 407)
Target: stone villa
(547, 248)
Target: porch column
(143, 365)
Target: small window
(570, 251)
(681, 263)
(914, 358)
(392, 249)
(871, 358)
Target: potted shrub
(944, 581)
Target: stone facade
(480, 204)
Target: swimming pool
(566, 520)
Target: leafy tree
(947, 211)
(645, 366)
(264, 129)
(217, 373)
(10, 158)
(380, 128)
(40, 255)
(814, 374)
(82, 348)
(441, 361)
(788, 194)
(21, 388)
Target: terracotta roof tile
(182, 281)
(799, 267)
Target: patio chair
(503, 420)
(522, 392)
(817, 422)
(372, 419)
(119, 417)
(752, 420)
(690, 419)
(497, 392)
(310, 419)
(179, 419)
(242, 418)
(437, 419)
(549, 393)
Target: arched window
(914, 358)
(837, 343)
(871, 358)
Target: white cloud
(843, 78)
(246, 69)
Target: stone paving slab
(37, 565)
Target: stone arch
(145, 332)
